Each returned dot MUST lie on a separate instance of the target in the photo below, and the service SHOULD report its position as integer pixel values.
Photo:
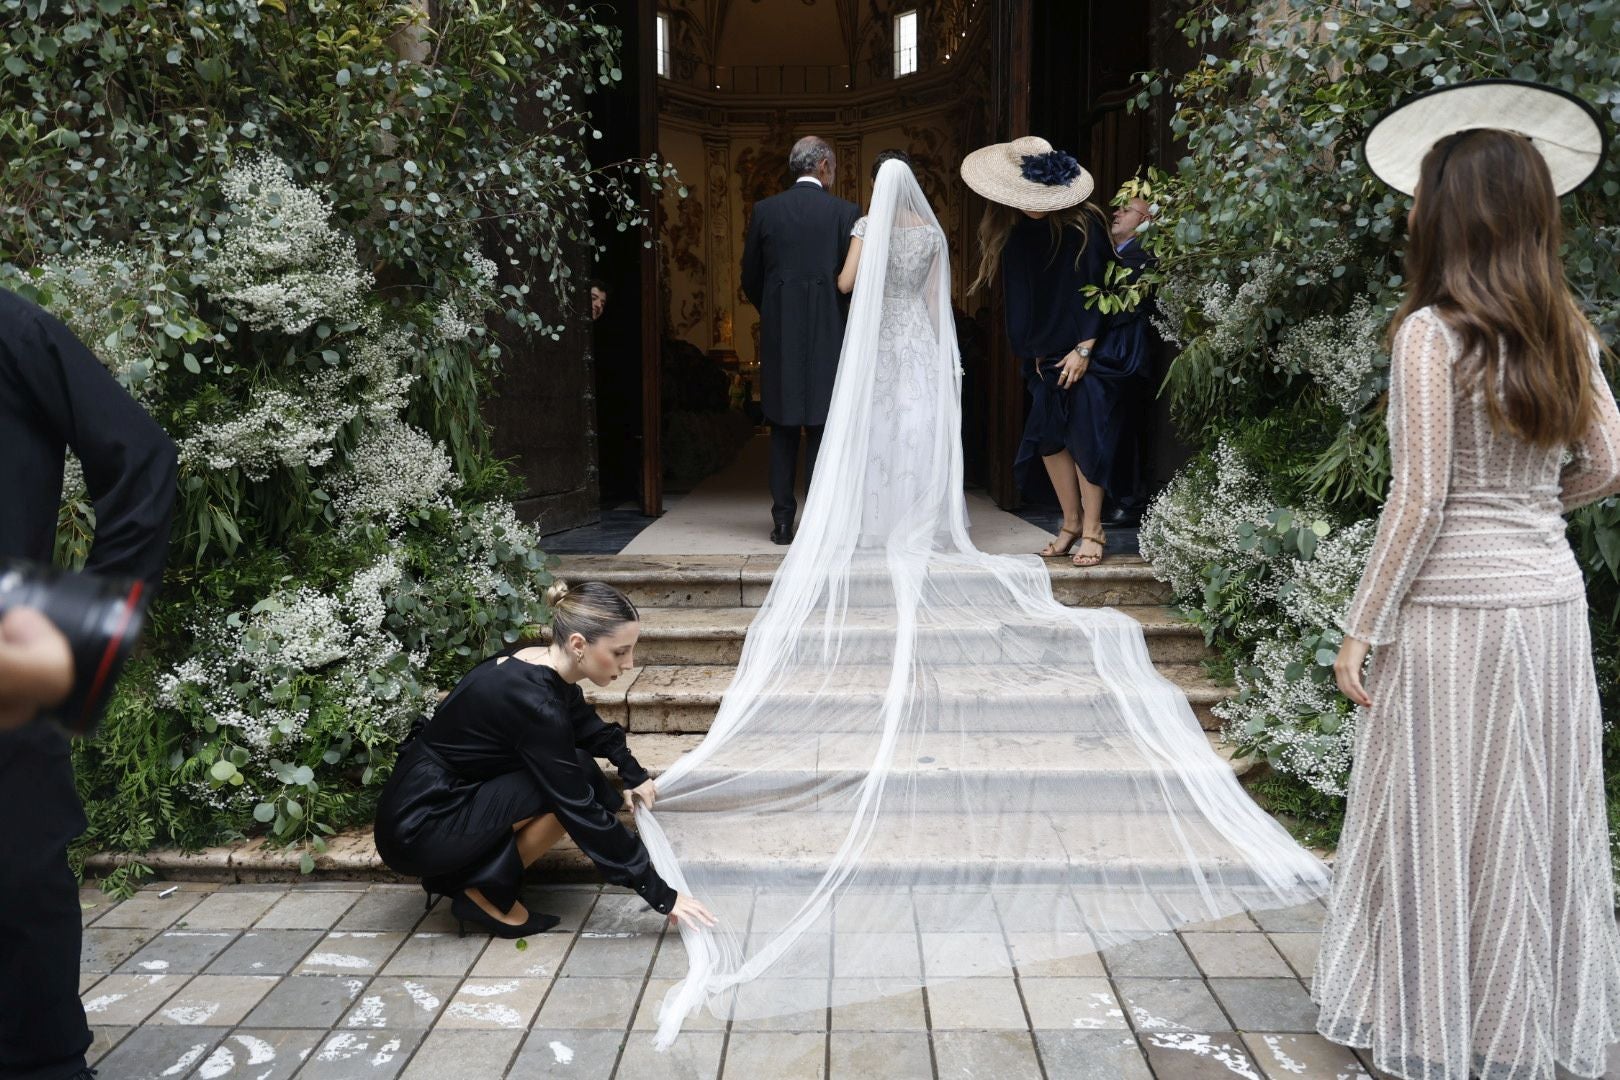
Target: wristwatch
(1083, 350)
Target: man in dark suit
(796, 244)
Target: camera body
(101, 619)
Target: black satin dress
(513, 740)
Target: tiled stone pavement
(350, 981)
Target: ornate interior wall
(730, 142)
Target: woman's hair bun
(554, 595)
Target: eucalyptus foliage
(1281, 263)
(288, 227)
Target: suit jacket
(796, 245)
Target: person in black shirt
(507, 765)
(55, 395)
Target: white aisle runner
(730, 514)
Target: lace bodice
(1474, 516)
(912, 253)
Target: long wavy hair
(1483, 243)
(997, 224)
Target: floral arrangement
(1279, 266)
(307, 298)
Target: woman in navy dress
(507, 765)
(1050, 243)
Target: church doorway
(722, 88)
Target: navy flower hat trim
(1054, 169)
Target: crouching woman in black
(507, 765)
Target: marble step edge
(733, 580)
(726, 623)
(677, 636)
(352, 855)
(685, 697)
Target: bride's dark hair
(889, 155)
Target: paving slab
(147, 910)
(395, 908)
(400, 1003)
(1073, 1004)
(977, 1005)
(231, 910)
(495, 1003)
(974, 1055)
(1176, 1055)
(356, 952)
(1302, 1057)
(652, 998)
(1266, 1004)
(105, 947)
(307, 1001)
(103, 1039)
(259, 1054)
(436, 954)
(694, 1057)
(540, 957)
(590, 1003)
(365, 1054)
(1092, 1055)
(178, 952)
(93, 904)
(214, 1000)
(610, 955)
(1157, 957)
(1300, 950)
(570, 1052)
(449, 1053)
(904, 1011)
(159, 1053)
(1244, 955)
(1171, 1005)
(897, 1055)
(781, 1055)
(308, 909)
(126, 1000)
(265, 952)
(1304, 918)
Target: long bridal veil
(926, 768)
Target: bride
(926, 768)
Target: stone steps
(954, 773)
(686, 697)
(731, 581)
(696, 611)
(684, 636)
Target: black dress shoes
(782, 532)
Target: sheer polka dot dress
(1471, 930)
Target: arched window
(905, 43)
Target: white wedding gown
(926, 768)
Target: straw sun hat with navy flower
(1027, 174)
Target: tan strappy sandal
(1101, 540)
(1052, 549)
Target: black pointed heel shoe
(466, 912)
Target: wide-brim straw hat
(1027, 174)
(1567, 131)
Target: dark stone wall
(542, 411)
